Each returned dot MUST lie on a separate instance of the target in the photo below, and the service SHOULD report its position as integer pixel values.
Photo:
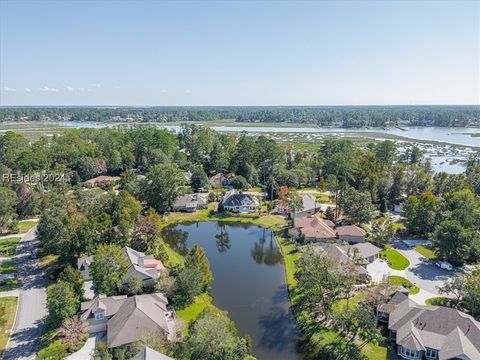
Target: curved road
(27, 331)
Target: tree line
(344, 116)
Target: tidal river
(249, 282)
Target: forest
(344, 116)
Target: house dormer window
(99, 316)
(431, 354)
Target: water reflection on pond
(249, 282)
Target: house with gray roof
(310, 206)
(430, 332)
(239, 202)
(144, 267)
(190, 202)
(124, 320)
(358, 256)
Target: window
(431, 353)
(408, 353)
(99, 316)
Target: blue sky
(239, 53)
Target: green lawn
(407, 284)
(394, 259)
(426, 251)
(193, 311)
(6, 321)
(9, 284)
(26, 225)
(8, 246)
(7, 267)
(437, 301)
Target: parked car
(444, 265)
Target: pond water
(249, 282)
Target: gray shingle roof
(149, 354)
(450, 331)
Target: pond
(249, 282)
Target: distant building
(430, 332)
(238, 202)
(310, 206)
(351, 234)
(141, 266)
(220, 180)
(101, 181)
(124, 320)
(190, 202)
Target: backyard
(394, 259)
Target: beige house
(351, 234)
(125, 320)
(101, 181)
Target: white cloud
(9, 89)
(48, 89)
(28, 90)
(95, 85)
(188, 91)
(164, 91)
(70, 89)
(81, 89)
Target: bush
(54, 351)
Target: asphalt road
(27, 331)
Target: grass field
(8, 284)
(7, 267)
(7, 319)
(437, 301)
(26, 225)
(407, 284)
(394, 259)
(8, 246)
(426, 251)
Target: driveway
(421, 272)
(27, 331)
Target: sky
(239, 52)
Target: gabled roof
(315, 227)
(366, 250)
(436, 327)
(149, 354)
(135, 265)
(350, 230)
(137, 315)
(190, 200)
(233, 198)
(109, 305)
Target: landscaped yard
(394, 259)
(407, 284)
(7, 267)
(9, 304)
(8, 246)
(437, 301)
(26, 225)
(426, 251)
(8, 284)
